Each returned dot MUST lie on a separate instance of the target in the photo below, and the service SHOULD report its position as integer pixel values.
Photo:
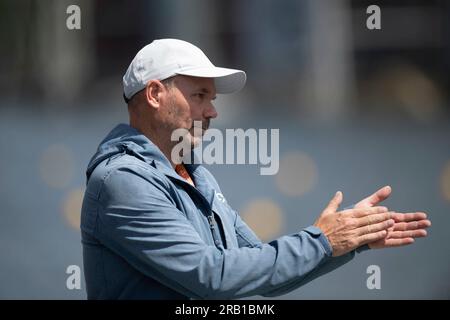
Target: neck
(161, 140)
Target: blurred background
(357, 109)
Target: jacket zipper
(211, 221)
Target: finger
(379, 196)
(371, 228)
(371, 237)
(373, 218)
(362, 212)
(406, 217)
(334, 203)
(407, 234)
(403, 226)
(398, 242)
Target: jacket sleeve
(138, 221)
(246, 237)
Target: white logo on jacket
(220, 197)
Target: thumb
(374, 199)
(334, 204)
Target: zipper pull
(211, 221)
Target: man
(155, 229)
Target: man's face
(189, 100)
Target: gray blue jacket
(148, 234)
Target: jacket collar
(124, 138)
(197, 173)
(151, 154)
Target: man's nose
(210, 112)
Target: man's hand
(347, 230)
(407, 225)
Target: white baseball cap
(165, 58)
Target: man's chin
(196, 139)
(195, 142)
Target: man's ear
(153, 93)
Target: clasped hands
(368, 223)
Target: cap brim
(226, 80)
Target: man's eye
(199, 95)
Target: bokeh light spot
(445, 181)
(297, 175)
(56, 166)
(264, 217)
(72, 207)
